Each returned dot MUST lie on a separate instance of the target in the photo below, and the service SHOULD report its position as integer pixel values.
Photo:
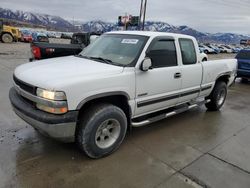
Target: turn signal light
(62, 110)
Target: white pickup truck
(124, 79)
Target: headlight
(52, 95)
(55, 97)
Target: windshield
(243, 55)
(117, 49)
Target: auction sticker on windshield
(130, 41)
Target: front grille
(25, 86)
(28, 101)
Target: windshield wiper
(82, 56)
(108, 61)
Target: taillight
(36, 52)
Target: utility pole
(143, 13)
(126, 25)
(140, 15)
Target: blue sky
(204, 15)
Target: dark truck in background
(44, 50)
(243, 59)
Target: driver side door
(158, 87)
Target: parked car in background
(236, 49)
(222, 49)
(66, 35)
(206, 49)
(40, 37)
(215, 48)
(228, 49)
(51, 34)
(243, 58)
(26, 36)
(58, 35)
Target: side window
(162, 53)
(188, 52)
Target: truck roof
(152, 34)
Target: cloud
(204, 15)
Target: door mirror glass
(146, 64)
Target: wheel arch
(5, 32)
(224, 77)
(118, 98)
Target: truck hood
(54, 72)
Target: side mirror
(146, 64)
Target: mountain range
(58, 23)
(227, 38)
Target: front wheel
(7, 38)
(101, 130)
(217, 97)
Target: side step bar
(169, 114)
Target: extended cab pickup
(124, 79)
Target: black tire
(206, 51)
(7, 38)
(90, 134)
(217, 97)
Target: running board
(169, 114)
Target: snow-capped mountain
(228, 38)
(36, 19)
(99, 26)
(61, 24)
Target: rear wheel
(101, 130)
(217, 97)
(7, 38)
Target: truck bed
(42, 50)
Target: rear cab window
(188, 52)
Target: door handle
(177, 75)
